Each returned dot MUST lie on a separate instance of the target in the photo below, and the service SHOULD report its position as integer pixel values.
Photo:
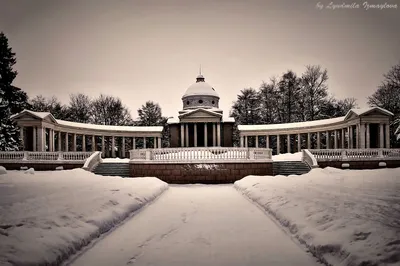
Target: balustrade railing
(308, 158)
(355, 154)
(44, 156)
(201, 154)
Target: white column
(21, 136)
(144, 142)
(53, 140)
(50, 140)
(214, 129)
(134, 143)
(351, 144)
(308, 140)
(318, 140)
(218, 134)
(93, 143)
(66, 141)
(246, 141)
(358, 136)
(159, 143)
(187, 134)
(342, 139)
(256, 141)
(123, 147)
(267, 141)
(205, 135)
(381, 137)
(34, 138)
(362, 136)
(387, 136)
(103, 148)
(112, 146)
(368, 137)
(74, 142)
(195, 134)
(278, 146)
(59, 141)
(298, 142)
(241, 141)
(40, 139)
(83, 142)
(288, 143)
(327, 139)
(335, 139)
(182, 135)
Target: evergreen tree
(12, 99)
(289, 92)
(150, 114)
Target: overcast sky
(152, 49)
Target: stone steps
(290, 168)
(112, 169)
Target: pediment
(201, 114)
(351, 116)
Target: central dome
(200, 88)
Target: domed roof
(200, 88)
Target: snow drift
(344, 217)
(46, 217)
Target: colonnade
(41, 143)
(342, 137)
(216, 134)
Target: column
(351, 137)
(278, 146)
(40, 139)
(103, 148)
(74, 142)
(34, 138)
(246, 141)
(112, 146)
(182, 135)
(214, 129)
(83, 143)
(381, 137)
(267, 141)
(59, 141)
(241, 141)
(342, 139)
(144, 142)
(368, 137)
(159, 143)
(308, 140)
(123, 147)
(205, 135)
(256, 141)
(218, 134)
(318, 140)
(298, 142)
(288, 143)
(327, 139)
(187, 134)
(335, 139)
(22, 137)
(195, 134)
(362, 136)
(93, 143)
(357, 136)
(134, 143)
(52, 140)
(66, 141)
(387, 136)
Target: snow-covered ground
(346, 217)
(287, 157)
(46, 216)
(197, 225)
(115, 160)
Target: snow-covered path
(198, 225)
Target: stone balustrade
(44, 156)
(201, 154)
(323, 155)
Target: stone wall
(361, 164)
(228, 134)
(41, 166)
(200, 173)
(174, 135)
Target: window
(213, 102)
(200, 101)
(187, 103)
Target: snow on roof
(113, 128)
(361, 111)
(200, 88)
(291, 125)
(228, 119)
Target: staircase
(290, 168)
(112, 169)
